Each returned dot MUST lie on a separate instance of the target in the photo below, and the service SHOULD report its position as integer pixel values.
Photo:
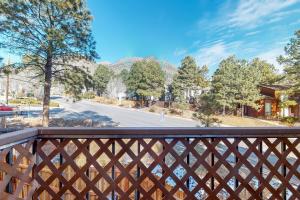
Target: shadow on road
(85, 119)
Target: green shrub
(181, 106)
(178, 108)
(31, 102)
(289, 121)
(54, 104)
(25, 101)
(88, 95)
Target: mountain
(126, 63)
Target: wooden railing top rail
(245, 132)
(17, 137)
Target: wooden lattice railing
(230, 163)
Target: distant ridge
(126, 63)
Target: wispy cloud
(252, 33)
(212, 55)
(180, 52)
(249, 13)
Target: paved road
(124, 117)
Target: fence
(156, 163)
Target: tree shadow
(83, 119)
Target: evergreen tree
(291, 62)
(247, 84)
(189, 77)
(223, 83)
(266, 73)
(146, 78)
(236, 83)
(101, 78)
(124, 75)
(206, 108)
(49, 33)
(75, 80)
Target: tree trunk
(224, 110)
(242, 112)
(47, 90)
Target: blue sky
(209, 30)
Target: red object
(5, 108)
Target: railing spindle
(261, 168)
(283, 149)
(212, 184)
(88, 175)
(188, 163)
(61, 160)
(236, 182)
(9, 160)
(113, 169)
(138, 172)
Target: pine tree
(247, 84)
(50, 34)
(206, 108)
(236, 83)
(223, 83)
(291, 62)
(189, 77)
(75, 80)
(266, 73)
(101, 78)
(145, 79)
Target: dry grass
(20, 122)
(109, 101)
(245, 121)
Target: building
(271, 103)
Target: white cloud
(252, 33)
(249, 13)
(211, 55)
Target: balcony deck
(150, 163)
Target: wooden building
(270, 104)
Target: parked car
(3, 107)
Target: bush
(31, 102)
(152, 109)
(25, 101)
(178, 108)
(54, 104)
(289, 121)
(181, 106)
(88, 95)
(175, 111)
(105, 100)
(127, 103)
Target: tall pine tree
(101, 78)
(189, 77)
(291, 62)
(50, 34)
(145, 79)
(223, 83)
(235, 83)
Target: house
(271, 103)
